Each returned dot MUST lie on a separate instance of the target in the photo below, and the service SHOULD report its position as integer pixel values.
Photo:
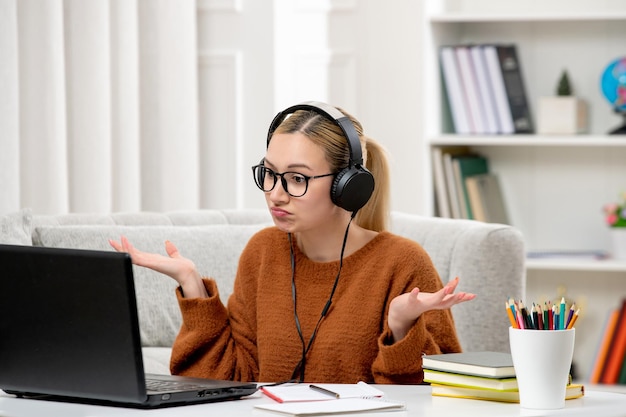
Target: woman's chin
(283, 225)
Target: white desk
(417, 398)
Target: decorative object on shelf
(563, 113)
(615, 216)
(613, 85)
(618, 237)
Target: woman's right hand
(183, 270)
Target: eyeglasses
(294, 183)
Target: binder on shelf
(511, 71)
(470, 87)
(454, 90)
(485, 90)
(505, 119)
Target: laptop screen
(68, 324)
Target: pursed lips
(278, 212)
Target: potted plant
(615, 217)
(563, 113)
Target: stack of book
(478, 375)
(464, 186)
(610, 360)
(485, 89)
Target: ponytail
(375, 214)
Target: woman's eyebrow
(290, 166)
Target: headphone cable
(300, 367)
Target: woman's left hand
(407, 307)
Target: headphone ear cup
(352, 188)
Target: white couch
(489, 259)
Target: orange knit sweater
(255, 338)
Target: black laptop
(69, 331)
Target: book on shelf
(454, 90)
(483, 363)
(602, 350)
(514, 86)
(501, 101)
(301, 392)
(470, 381)
(464, 166)
(485, 90)
(453, 194)
(571, 392)
(439, 177)
(439, 183)
(486, 199)
(617, 350)
(469, 83)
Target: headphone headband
(332, 113)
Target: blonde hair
(374, 215)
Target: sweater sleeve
(208, 345)
(432, 333)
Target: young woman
(327, 294)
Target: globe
(613, 84)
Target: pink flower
(615, 213)
(611, 219)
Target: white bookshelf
(554, 186)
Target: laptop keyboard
(159, 385)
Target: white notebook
(320, 392)
(318, 408)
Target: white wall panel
(342, 80)
(88, 65)
(125, 133)
(326, 76)
(43, 126)
(9, 105)
(221, 168)
(169, 104)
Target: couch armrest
(489, 259)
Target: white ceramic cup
(542, 361)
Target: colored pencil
(509, 313)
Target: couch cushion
(15, 228)
(214, 249)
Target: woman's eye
(298, 179)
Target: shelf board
(562, 264)
(468, 17)
(530, 140)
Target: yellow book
(469, 381)
(573, 391)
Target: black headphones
(353, 185)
